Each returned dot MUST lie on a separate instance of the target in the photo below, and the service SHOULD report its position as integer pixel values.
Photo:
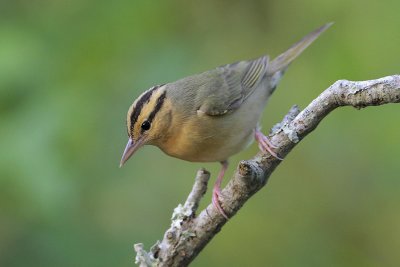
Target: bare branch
(198, 190)
(189, 234)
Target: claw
(265, 144)
(269, 143)
(217, 190)
(215, 200)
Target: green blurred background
(69, 71)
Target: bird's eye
(146, 125)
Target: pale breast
(204, 138)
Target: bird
(209, 117)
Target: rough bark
(190, 233)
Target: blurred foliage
(70, 69)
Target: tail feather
(281, 62)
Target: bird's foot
(217, 190)
(265, 144)
(215, 200)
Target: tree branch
(189, 233)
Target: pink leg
(264, 143)
(217, 189)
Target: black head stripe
(157, 107)
(139, 105)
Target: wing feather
(231, 85)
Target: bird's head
(147, 119)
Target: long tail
(281, 62)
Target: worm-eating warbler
(210, 116)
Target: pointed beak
(130, 148)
